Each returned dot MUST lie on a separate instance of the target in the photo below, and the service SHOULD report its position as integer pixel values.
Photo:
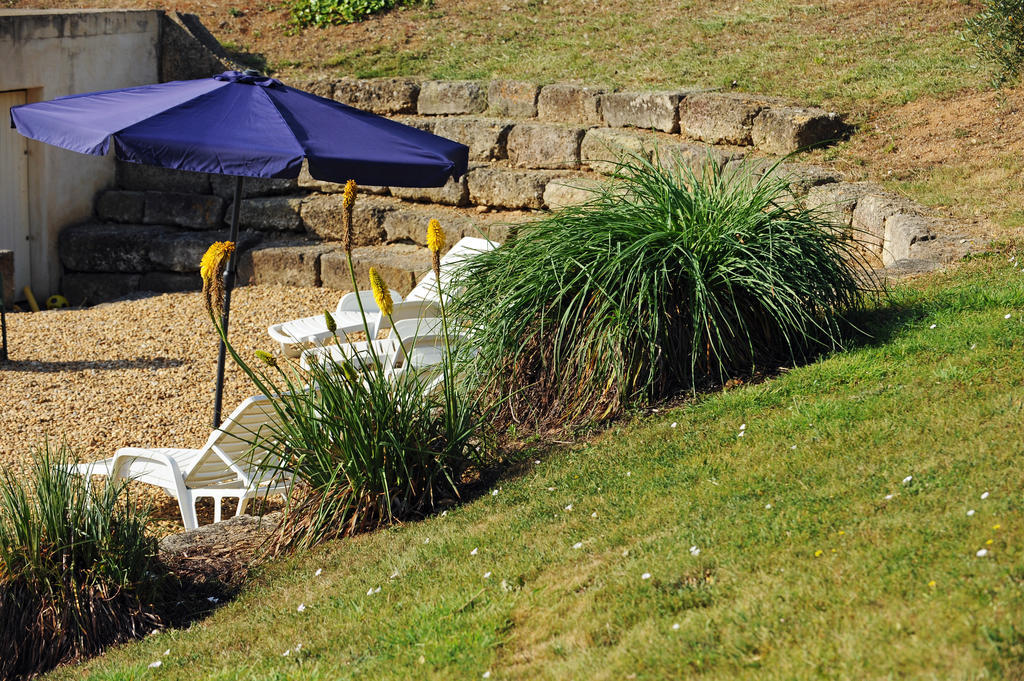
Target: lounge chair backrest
(228, 456)
(463, 249)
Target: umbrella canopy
(246, 125)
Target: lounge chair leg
(242, 503)
(218, 502)
(187, 504)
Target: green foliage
(803, 525)
(368, 446)
(997, 34)
(77, 571)
(326, 12)
(661, 282)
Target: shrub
(326, 12)
(77, 570)
(664, 281)
(997, 34)
(368, 446)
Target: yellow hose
(31, 299)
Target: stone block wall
(532, 149)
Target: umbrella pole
(3, 322)
(229, 282)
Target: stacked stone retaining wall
(531, 148)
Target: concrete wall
(63, 52)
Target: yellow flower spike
(349, 196)
(349, 371)
(211, 269)
(266, 358)
(347, 202)
(435, 236)
(332, 325)
(381, 294)
(215, 254)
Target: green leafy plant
(326, 12)
(997, 34)
(77, 569)
(664, 281)
(368, 446)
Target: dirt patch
(964, 156)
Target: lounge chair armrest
(129, 455)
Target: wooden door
(14, 227)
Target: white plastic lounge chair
(412, 345)
(295, 334)
(388, 350)
(422, 301)
(226, 466)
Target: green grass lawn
(846, 55)
(834, 536)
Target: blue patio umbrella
(246, 125)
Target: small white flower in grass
(569, 507)
(369, 592)
(167, 652)
(298, 647)
(743, 426)
(970, 513)
(427, 540)
(487, 575)
(444, 513)
(889, 496)
(473, 552)
(394, 575)
(594, 514)
(932, 326)
(578, 545)
(318, 572)
(537, 461)
(625, 552)
(551, 489)
(768, 507)
(286, 653)
(674, 424)
(646, 575)
(629, 473)
(487, 674)
(793, 447)
(982, 553)
(154, 665)
(494, 492)
(1006, 316)
(741, 433)
(908, 479)
(213, 599)
(302, 607)
(985, 495)
(675, 627)
(377, 590)
(694, 551)
(973, 345)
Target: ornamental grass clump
(666, 280)
(77, 569)
(368, 443)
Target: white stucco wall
(64, 52)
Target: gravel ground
(132, 373)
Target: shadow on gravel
(32, 366)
